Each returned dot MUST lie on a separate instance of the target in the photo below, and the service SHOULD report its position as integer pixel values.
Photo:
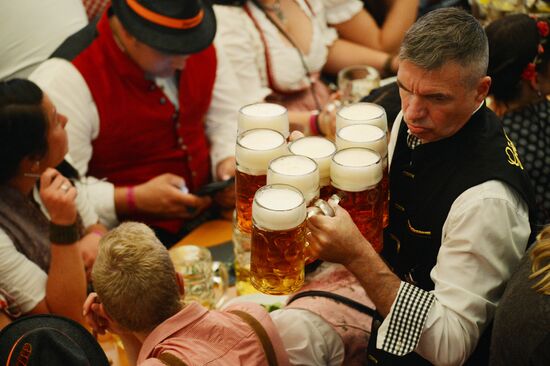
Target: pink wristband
(131, 199)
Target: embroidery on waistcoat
(512, 153)
(416, 231)
(408, 174)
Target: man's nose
(415, 109)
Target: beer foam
(278, 207)
(362, 135)
(256, 148)
(319, 149)
(355, 169)
(368, 113)
(264, 115)
(298, 171)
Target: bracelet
(317, 127)
(314, 123)
(63, 234)
(131, 199)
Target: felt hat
(49, 340)
(170, 26)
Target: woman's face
(57, 136)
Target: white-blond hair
(135, 278)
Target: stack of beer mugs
(274, 189)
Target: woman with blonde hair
(521, 333)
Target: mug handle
(220, 279)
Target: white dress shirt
(70, 94)
(483, 239)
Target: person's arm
(66, 284)
(484, 237)
(343, 53)
(362, 28)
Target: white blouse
(243, 45)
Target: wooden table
(208, 234)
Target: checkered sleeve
(407, 319)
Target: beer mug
(298, 171)
(357, 173)
(369, 137)
(356, 82)
(278, 239)
(359, 113)
(255, 149)
(321, 151)
(204, 281)
(263, 115)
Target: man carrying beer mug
(459, 210)
(138, 297)
(152, 104)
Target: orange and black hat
(49, 340)
(170, 26)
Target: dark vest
(141, 133)
(425, 182)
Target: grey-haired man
(459, 209)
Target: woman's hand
(58, 195)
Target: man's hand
(162, 197)
(225, 170)
(336, 239)
(58, 195)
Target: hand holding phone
(214, 187)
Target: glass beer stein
(321, 151)
(356, 82)
(357, 174)
(359, 113)
(369, 137)
(255, 149)
(298, 171)
(204, 281)
(278, 239)
(263, 115)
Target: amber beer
(357, 172)
(362, 113)
(278, 239)
(298, 171)
(263, 115)
(255, 149)
(321, 151)
(370, 137)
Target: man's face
(438, 103)
(155, 62)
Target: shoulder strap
(338, 298)
(170, 360)
(262, 335)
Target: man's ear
(179, 280)
(483, 88)
(103, 313)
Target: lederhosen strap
(338, 298)
(262, 335)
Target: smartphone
(214, 187)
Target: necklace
(276, 8)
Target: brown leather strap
(262, 335)
(170, 360)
